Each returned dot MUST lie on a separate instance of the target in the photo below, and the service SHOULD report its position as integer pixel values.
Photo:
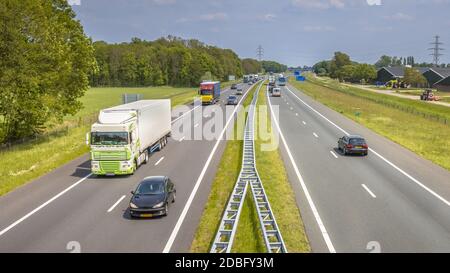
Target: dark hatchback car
(233, 86)
(353, 145)
(232, 100)
(152, 197)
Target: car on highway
(239, 91)
(276, 92)
(233, 86)
(152, 197)
(250, 82)
(232, 100)
(353, 144)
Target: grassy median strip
(420, 130)
(249, 235)
(223, 184)
(281, 196)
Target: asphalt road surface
(70, 210)
(390, 201)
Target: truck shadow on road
(82, 170)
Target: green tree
(339, 61)
(384, 61)
(45, 61)
(251, 66)
(414, 77)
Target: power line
(260, 52)
(436, 50)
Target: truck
(281, 81)
(209, 92)
(124, 136)
(246, 78)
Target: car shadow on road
(126, 215)
(341, 153)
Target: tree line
(343, 68)
(166, 61)
(45, 60)
(252, 66)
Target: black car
(353, 145)
(152, 197)
(233, 86)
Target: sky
(293, 32)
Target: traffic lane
(82, 214)
(420, 196)
(431, 175)
(22, 200)
(38, 191)
(353, 169)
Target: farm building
(443, 85)
(387, 74)
(435, 74)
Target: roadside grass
(24, 162)
(222, 186)
(386, 115)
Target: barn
(435, 74)
(443, 85)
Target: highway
(69, 206)
(390, 201)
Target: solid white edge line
(159, 161)
(334, 154)
(377, 154)
(368, 190)
(187, 206)
(316, 214)
(117, 203)
(43, 205)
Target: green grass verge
(386, 116)
(24, 162)
(224, 181)
(281, 196)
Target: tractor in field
(428, 95)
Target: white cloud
(268, 17)
(399, 16)
(319, 4)
(318, 28)
(219, 16)
(164, 2)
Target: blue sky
(294, 32)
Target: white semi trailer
(124, 136)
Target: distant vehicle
(246, 78)
(276, 92)
(428, 95)
(232, 100)
(124, 136)
(152, 197)
(250, 83)
(239, 91)
(233, 86)
(353, 145)
(281, 81)
(210, 92)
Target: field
(66, 142)
(249, 236)
(421, 127)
